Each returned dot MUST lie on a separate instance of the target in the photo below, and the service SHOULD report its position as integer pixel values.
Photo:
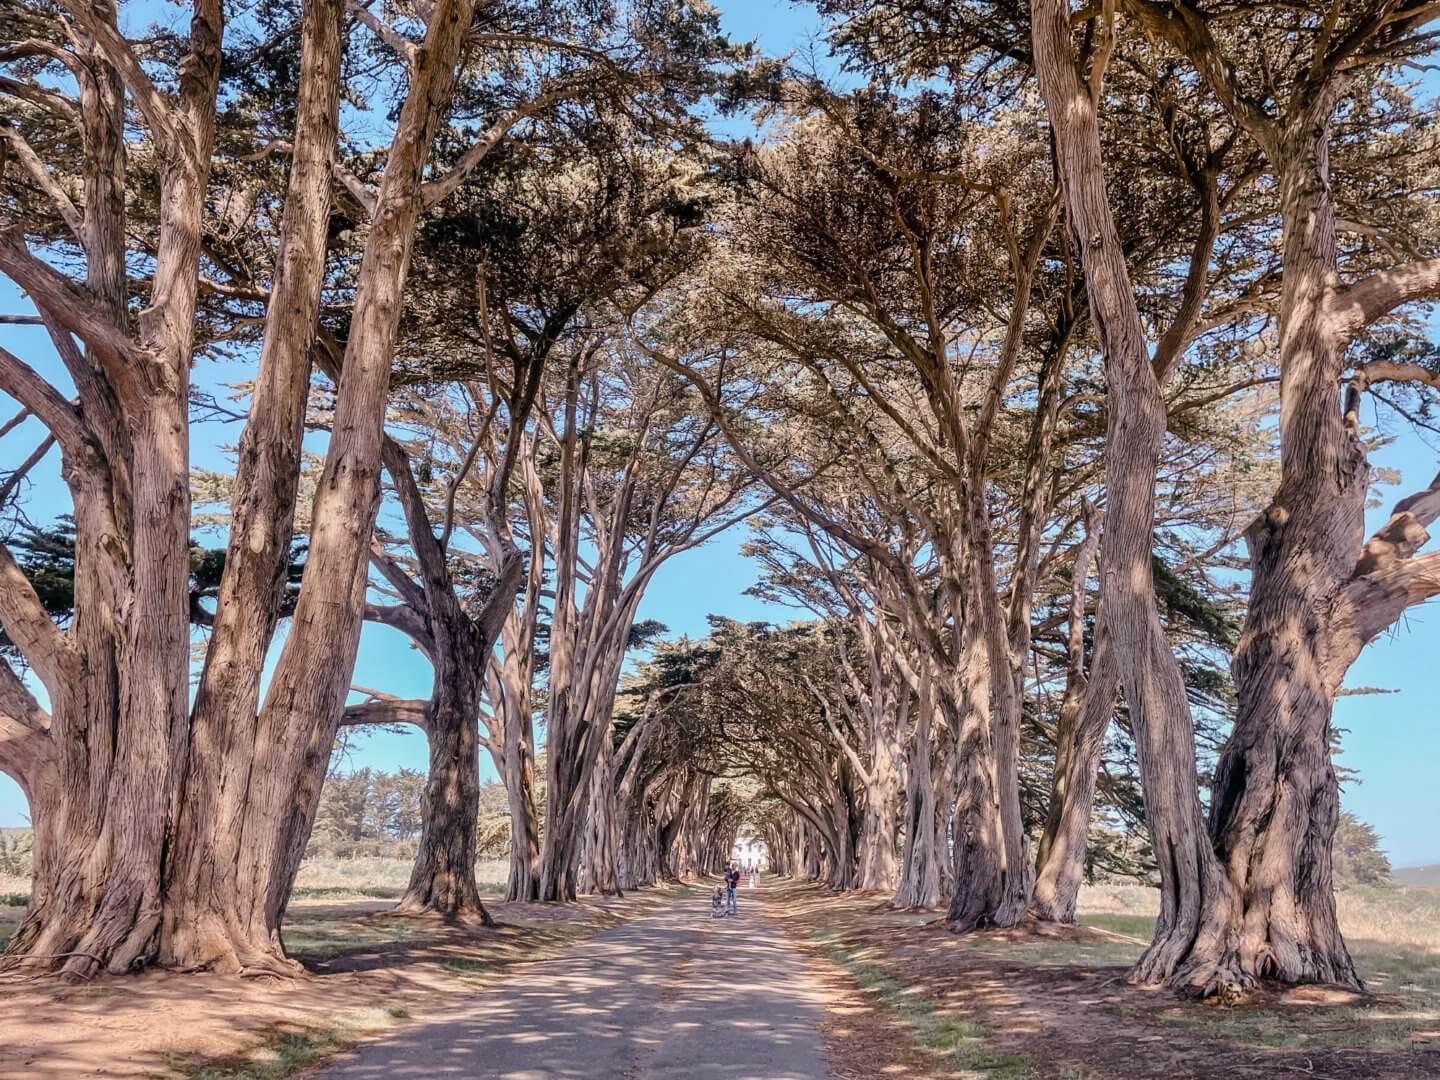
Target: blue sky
(1392, 740)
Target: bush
(17, 848)
(1358, 858)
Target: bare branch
(28, 624)
(27, 157)
(439, 189)
(37, 455)
(361, 192)
(1381, 293)
(402, 45)
(58, 104)
(387, 711)
(24, 384)
(152, 104)
(58, 296)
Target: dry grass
(377, 878)
(1405, 917)
(1054, 1001)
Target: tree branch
(58, 295)
(441, 188)
(387, 711)
(25, 385)
(152, 104)
(58, 104)
(27, 157)
(28, 624)
(402, 45)
(36, 456)
(1376, 296)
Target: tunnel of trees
(1032, 352)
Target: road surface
(674, 994)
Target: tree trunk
(921, 881)
(239, 929)
(1084, 718)
(1194, 892)
(989, 879)
(879, 869)
(990, 867)
(1276, 799)
(206, 845)
(117, 678)
(518, 774)
(602, 836)
(442, 879)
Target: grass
(1404, 1014)
(1394, 938)
(288, 1048)
(464, 967)
(1399, 916)
(1393, 933)
(319, 937)
(377, 878)
(347, 892)
(280, 1056)
(965, 1044)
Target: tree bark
(117, 676)
(239, 930)
(1194, 891)
(1084, 718)
(921, 880)
(206, 850)
(1276, 798)
(442, 879)
(990, 867)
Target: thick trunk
(239, 928)
(120, 719)
(579, 732)
(206, 853)
(1194, 892)
(989, 873)
(442, 879)
(841, 871)
(1276, 799)
(990, 867)
(879, 869)
(602, 832)
(518, 774)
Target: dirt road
(673, 994)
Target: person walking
(732, 883)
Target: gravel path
(674, 994)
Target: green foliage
(46, 557)
(17, 850)
(372, 813)
(1180, 599)
(368, 805)
(1358, 858)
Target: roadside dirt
(368, 971)
(1072, 1020)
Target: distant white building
(750, 851)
